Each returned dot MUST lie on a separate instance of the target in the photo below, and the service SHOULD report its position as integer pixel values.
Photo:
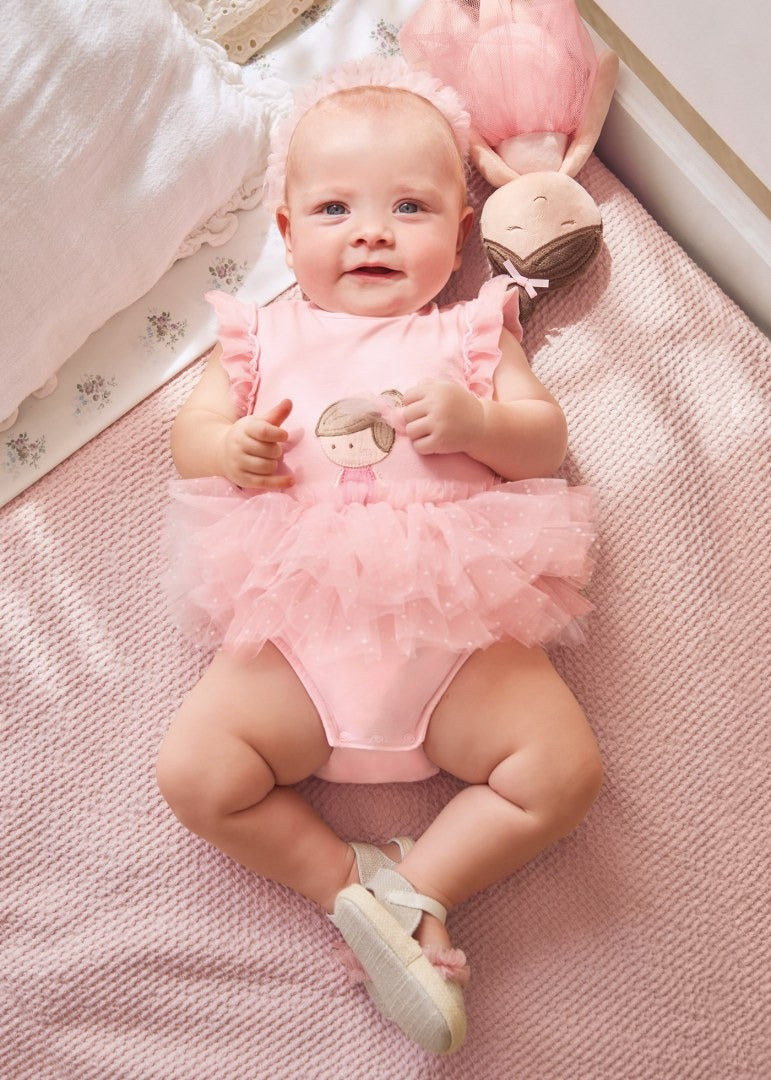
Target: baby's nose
(374, 231)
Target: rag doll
(538, 95)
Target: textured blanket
(635, 948)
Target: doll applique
(355, 435)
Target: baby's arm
(520, 433)
(208, 438)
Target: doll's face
(528, 212)
(352, 451)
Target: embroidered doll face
(352, 451)
(376, 215)
(353, 434)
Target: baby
(391, 625)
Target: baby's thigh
(244, 710)
(509, 704)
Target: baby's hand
(442, 417)
(251, 450)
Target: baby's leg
(245, 733)
(509, 726)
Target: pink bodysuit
(381, 570)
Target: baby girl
(386, 622)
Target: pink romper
(380, 571)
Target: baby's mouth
(373, 271)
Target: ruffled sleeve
(240, 347)
(496, 306)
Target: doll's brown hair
(562, 261)
(350, 415)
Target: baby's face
(375, 216)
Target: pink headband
(390, 72)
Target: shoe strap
(404, 844)
(403, 901)
(370, 859)
(420, 902)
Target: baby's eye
(333, 209)
(407, 207)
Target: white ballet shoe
(377, 923)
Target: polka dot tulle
(504, 563)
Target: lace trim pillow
(141, 142)
(242, 27)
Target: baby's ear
(464, 228)
(282, 222)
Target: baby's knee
(584, 776)
(179, 782)
(574, 784)
(188, 782)
(555, 780)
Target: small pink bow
(528, 284)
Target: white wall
(716, 54)
(710, 203)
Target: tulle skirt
(520, 66)
(444, 566)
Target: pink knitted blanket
(636, 948)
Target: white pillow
(121, 134)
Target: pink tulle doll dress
(374, 542)
(523, 68)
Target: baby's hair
(383, 99)
(373, 72)
(350, 415)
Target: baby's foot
(432, 934)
